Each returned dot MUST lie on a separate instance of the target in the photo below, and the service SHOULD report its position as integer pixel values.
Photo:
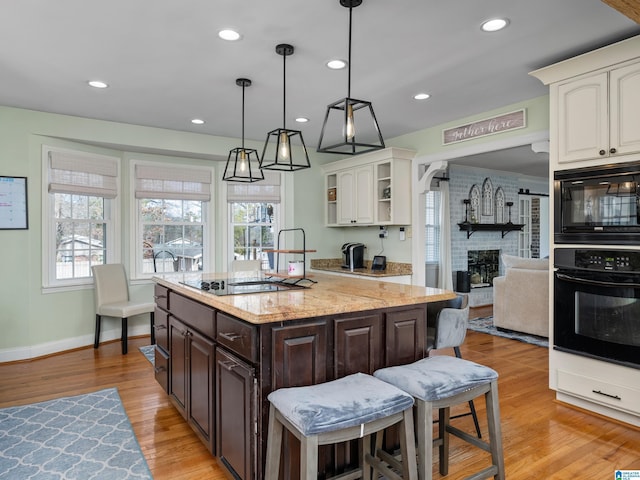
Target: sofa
(521, 296)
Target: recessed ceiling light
(302, 119)
(229, 35)
(494, 24)
(421, 96)
(336, 64)
(98, 84)
(197, 121)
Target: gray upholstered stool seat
(352, 407)
(441, 382)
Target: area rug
(85, 437)
(485, 325)
(149, 351)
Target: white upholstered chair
(112, 300)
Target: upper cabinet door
(355, 196)
(624, 84)
(583, 123)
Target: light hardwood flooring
(543, 439)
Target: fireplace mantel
(489, 227)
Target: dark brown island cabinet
(218, 368)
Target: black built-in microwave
(598, 205)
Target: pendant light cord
(349, 54)
(284, 91)
(243, 87)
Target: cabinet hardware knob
(615, 397)
(228, 365)
(613, 150)
(602, 152)
(232, 337)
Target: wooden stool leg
(309, 457)
(408, 447)
(96, 341)
(444, 415)
(495, 431)
(125, 336)
(274, 446)
(425, 439)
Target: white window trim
(225, 212)
(113, 253)
(135, 232)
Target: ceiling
(165, 64)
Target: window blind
(173, 183)
(267, 190)
(83, 174)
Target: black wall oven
(598, 205)
(597, 304)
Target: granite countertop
(393, 269)
(329, 296)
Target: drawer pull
(228, 365)
(161, 327)
(159, 296)
(615, 397)
(160, 369)
(232, 337)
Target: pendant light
(350, 126)
(278, 153)
(241, 167)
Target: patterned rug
(149, 351)
(485, 325)
(86, 437)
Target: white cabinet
(599, 115)
(369, 189)
(355, 196)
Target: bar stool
(353, 407)
(439, 383)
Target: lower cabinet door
(178, 370)
(236, 418)
(406, 336)
(201, 383)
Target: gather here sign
(488, 126)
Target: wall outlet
(383, 232)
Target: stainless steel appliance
(598, 205)
(353, 255)
(239, 286)
(597, 304)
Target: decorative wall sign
(488, 126)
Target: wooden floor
(542, 439)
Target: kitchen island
(218, 357)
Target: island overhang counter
(218, 357)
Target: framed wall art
(13, 203)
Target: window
(254, 210)
(432, 225)
(171, 217)
(79, 229)
(254, 225)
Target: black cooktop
(239, 286)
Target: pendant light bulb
(283, 147)
(350, 126)
(243, 162)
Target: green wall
(34, 323)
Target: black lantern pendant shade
(350, 126)
(243, 164)
(278, 153)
